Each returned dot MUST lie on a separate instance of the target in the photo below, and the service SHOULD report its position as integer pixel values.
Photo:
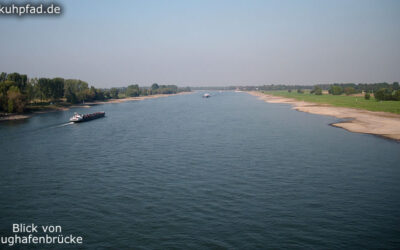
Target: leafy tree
(396, 85)
(383, 94)
(114, 93)
(94, 94)
(396, 95)
(367, 96)
(316, 90)
(335, 90)
(44, 88)
(133, 90)
(19, 80)
(32, 91)
(11, 97)
(100, 94)
(3, 76)
(16, 100)
(145, 92)
(50, 88)
(107, 94)
(91, 94)
(185, 89)
(70, 95)
(289, 90)
(3, 95)
(57, 88)
(75, 90)
(154, 86)
(300, 91)
(349, 90)
(167, 89)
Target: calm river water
(184, 172)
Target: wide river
(185, 172)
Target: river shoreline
(11, 117)
(360, 121)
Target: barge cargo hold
(86, 117)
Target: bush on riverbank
(385, 94)
(316, 90)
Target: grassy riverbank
(357, 102)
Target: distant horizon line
(205, 85)
(244, 86)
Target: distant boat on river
(86, 117)
(206, 95)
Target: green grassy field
(357, 102)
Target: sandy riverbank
(360, 121)
(13, 117)
(139, 98)
(10, 117)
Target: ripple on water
(184, 172)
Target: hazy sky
(192, 43)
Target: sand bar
(360, 121)
(13, 117)
(138, 98)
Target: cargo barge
(86, 117)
